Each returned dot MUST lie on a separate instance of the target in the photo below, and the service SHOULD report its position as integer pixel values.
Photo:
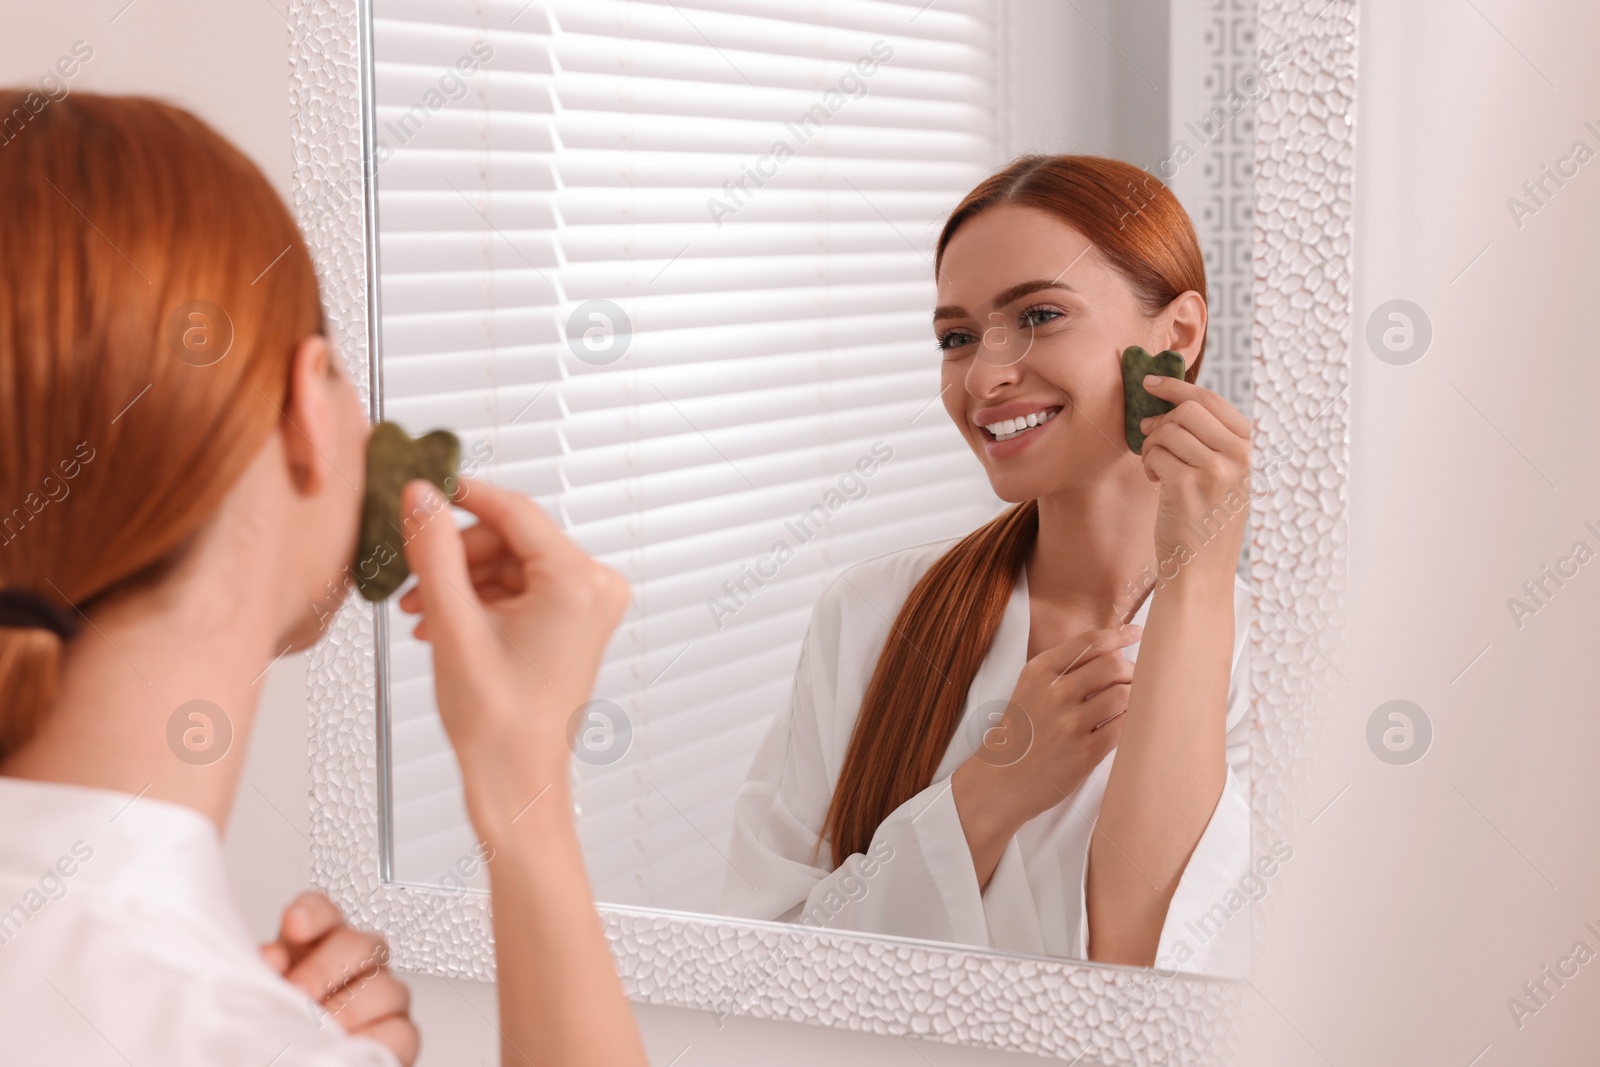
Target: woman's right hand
(1065, 715)
(518, 617)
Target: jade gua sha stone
(393, 459)
(1138, 404)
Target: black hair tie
(26, 609)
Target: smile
(1006, 429)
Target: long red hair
(115, 212)
(918, 690)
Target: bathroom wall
(227, 62)
(1423, 896)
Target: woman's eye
(952, 339)
(1039, 316)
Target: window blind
(666, 268)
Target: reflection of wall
(1213, 46)
(1133, 79)
(1088, 76)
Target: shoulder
(879, 585)
(850, 620)
(125, 961)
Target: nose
(998, 363)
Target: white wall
(1088, 77)
(227, 62)
(1426, 895)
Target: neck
(115, 723)
(1095, 556)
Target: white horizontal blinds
(773, 417)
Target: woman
(945, 769)
(181, 459)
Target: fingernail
(1151, 379)
(1132, 629)
(296, 917)
(1144, 424)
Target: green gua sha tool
(1138, 404)
(393, 459)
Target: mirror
(669, 271)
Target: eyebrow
(1004, 297)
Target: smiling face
(1032, 322)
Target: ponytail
(918, 690)
(130, 233)
(30, 664)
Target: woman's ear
(309, 426)
(1186, 325)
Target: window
(666, 267)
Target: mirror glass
(668, 269)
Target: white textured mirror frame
(1084, 1013)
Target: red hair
(918, 690)
(115, 212)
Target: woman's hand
(345, 971)
(1064, 717)
(1199, 454)
(519, 618)
(1171, 760)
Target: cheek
(1103, 394)
(1091, 387)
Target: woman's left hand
(346, 972)
(1199, 454)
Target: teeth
(1006, 429)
